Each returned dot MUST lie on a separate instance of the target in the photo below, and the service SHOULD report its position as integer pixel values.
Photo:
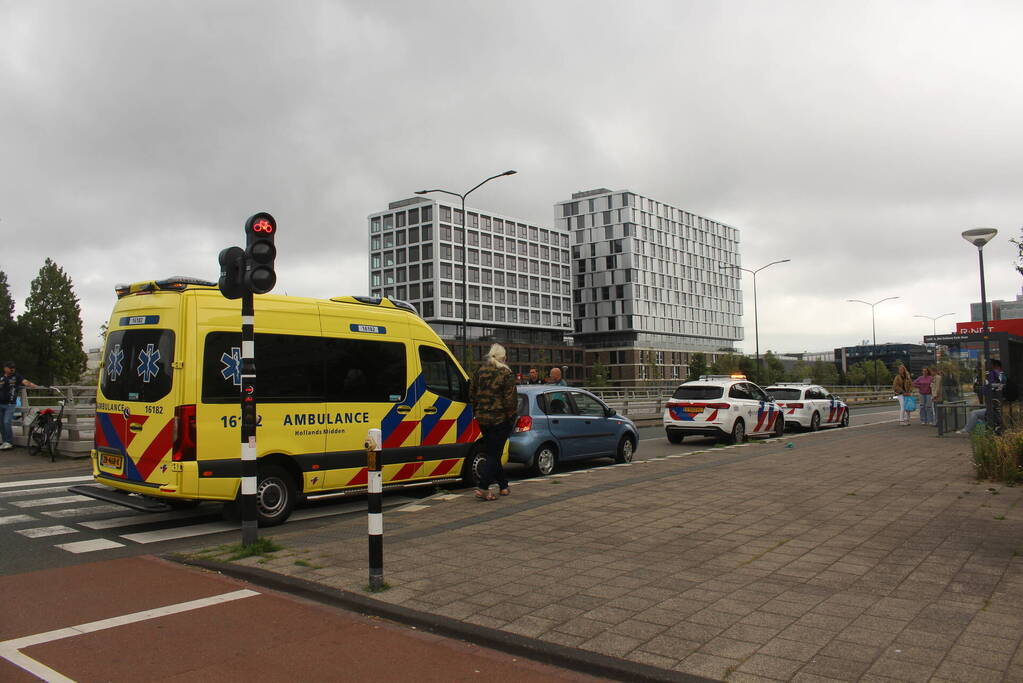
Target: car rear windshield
(523, 405)
(137, 365)
(697, 392)
(781, 394)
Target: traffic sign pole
(250, 525)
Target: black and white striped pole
(250, 524)
(374, 502)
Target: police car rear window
(137, 365)
(781, 394)
(697, 392)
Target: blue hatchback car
(560, 424)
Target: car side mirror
(608, 411)
(771, 397)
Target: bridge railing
(79, 421)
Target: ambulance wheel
(275, 496)
(472, 470)
(815, 422)
(674, 436)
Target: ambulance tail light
(524, 423)
(184, 433)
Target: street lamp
(934, 320)
(978, 237)
(873, 329)
(756, 324)
(465, 288)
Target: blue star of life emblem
(148, 359)
(115, 363)
(232, 366)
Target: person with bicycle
(10, 384)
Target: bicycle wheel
(35, 436)
(52, 438)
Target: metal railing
(79, 421)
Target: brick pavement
(868, 553)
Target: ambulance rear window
(137, 365)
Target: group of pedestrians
(928, 384)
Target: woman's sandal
(505, 492)
(485, 495)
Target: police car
(724, 406)
(809, 406)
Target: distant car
(724, 406)
(561, 424)
(809, 406)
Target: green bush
(997, 457)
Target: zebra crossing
(42, 510)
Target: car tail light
(793, 405)
(184, 433)
(719, 406)
(524, 423)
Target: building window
(374, 224)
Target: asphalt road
(43, 526)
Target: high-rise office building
(514, 279)
(652, 284)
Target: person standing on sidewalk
(10, 386)
(494, 403)
(903, 387)
(993, 386)
(924, 384)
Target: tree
(774, 369)
(1019, 252)
(824, 373)
(697, 366)
(726, 364)
(8, 328)
(51, 329)
(598, 375)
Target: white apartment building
(517, 276)
(652, 283)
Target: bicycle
(44, 431)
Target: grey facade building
(652, 283)
(998, 309)
(517, 278)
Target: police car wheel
(275, 496)
(544, 461)
(815, 422)
(779, 427)
(738, 434)
(845, 419)
(626, 449)
(674, 436)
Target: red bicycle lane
(144, 618)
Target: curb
(582, 661)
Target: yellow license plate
(111, 461)
(694, 411)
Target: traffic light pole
(248, 400)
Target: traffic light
(232, 267)
(260, 252)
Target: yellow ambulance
(327, 371)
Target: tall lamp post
(873, 329)
(978, 237)
(934, 320)
(756, 323)
(465, 288)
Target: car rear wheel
(674, 436)
(845, 418)
(779, 426)
(738, 434)
(544, 461)
(815, 422)
(626, 449)
(275, 496)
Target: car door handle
(556, 421)
(588, 422)
(405, 410)
(430, 410)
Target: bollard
(374, 502)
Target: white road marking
(41, 531)
(29, 492)
(9, 649)
(33, 482)
(16, 519)
(93, 545)
(84, 512)
(447, 496)
(563, 474)
(412, 508)
(40, 502)
(140, 518)
(180, 532)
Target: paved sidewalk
(867, 553)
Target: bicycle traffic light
(232, 267)
(259, 276)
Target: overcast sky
(858, 139)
